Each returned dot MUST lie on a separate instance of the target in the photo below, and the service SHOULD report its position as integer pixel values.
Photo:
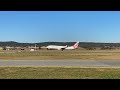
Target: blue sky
(43, 26)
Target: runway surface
(60, 63)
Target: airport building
(1, 48)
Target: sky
(60, 26)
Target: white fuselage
(56, 47)
(70, 48)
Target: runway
(59, 63)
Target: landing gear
(62, 49)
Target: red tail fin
(76, 45)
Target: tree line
(87, 45)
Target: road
(60, 63)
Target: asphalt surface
(60, 63)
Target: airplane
(49, 47)
(75, 46)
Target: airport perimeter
(55, 64)
(61, 55)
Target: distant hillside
(14, 44)
(81, 44)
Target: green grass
(58, 73)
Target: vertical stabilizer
(76, 45)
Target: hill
(81, 44)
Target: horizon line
(60, 41)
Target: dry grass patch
(58, 55)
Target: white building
(1, 48)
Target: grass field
(66, 54)
(58, 73)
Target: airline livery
(63, 47)
(73, 47)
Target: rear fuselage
(70, 48)
(56, 47)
